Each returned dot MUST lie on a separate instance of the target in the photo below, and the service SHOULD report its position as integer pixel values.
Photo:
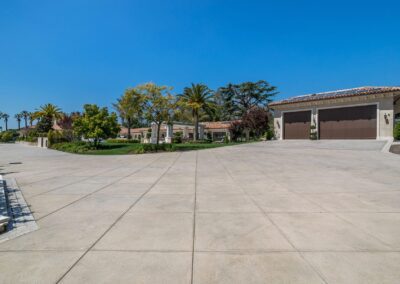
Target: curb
(387, 146)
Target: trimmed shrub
(6, 136)
(72, 147)
(396, 131)
(177, 139)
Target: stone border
(21, 219)
(386, 148)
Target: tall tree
(5, 117)
(49, 111)
(96, 123)
(158, 104)
(18, 117)
(25, 116)
(130, 107)
(31, 118)
(239, 99)
(198, 97)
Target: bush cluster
(6, 136)
(60, 136)
(72, 147)
(148, 148)
(123, 141)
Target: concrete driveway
(270, 212)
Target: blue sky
(75, 52)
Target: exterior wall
(384, 117)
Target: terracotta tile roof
(124, 130)
(217, 124)
(361, 91)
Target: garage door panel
(297, 125)
(348, 123)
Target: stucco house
(215, 130)
(358, 113)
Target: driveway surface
(269, 212)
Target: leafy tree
(238, 99)
(198, 97)
(44, 125)
(18, 118)
(256, 120)
(25, 116)
(5, 117)
(66, 120)
(130, 107)
(158, 104)
(96, 124)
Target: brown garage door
(297, 125)
(348, 123)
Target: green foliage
(238, 99)
(313, 132)
(72, 147)
(130, 108)
(123, 141)
(270, 134)
(6, 136)
(45, 124)
(177, 139)
(60, 136)
(396, 131)
(96, 124)
(196, 98)
(158, 106)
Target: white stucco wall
(384, 104)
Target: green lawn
(133, 148)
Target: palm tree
(18, 117)
(49, 111)
(196, 98)
(5, 117)
(25, 115)
(31, 118)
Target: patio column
(154, 138)
(168, 137)
(201, 131)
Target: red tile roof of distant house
(361, 91)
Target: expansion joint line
(194, 216)
(120, 217)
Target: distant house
(215, 130)
(359, 113)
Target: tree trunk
(196, 127)
(129, 128)
(26, 123)
(158, 135)
(6, 122)
(19, 125)
(247, 134)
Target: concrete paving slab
(384, 226)
(324, 231)
(35, 266)
(165, 203)
(230, 268)
(150, 231)
(227, 203)
(285, 202)
(238, 232)
(132, 267)
(357, 267)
